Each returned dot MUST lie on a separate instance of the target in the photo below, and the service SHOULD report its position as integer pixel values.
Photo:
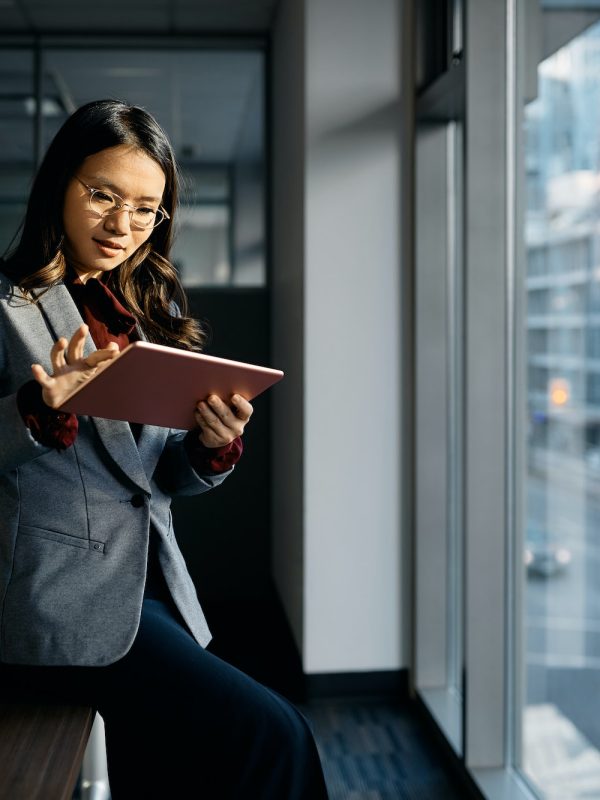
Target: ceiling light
(50, 107)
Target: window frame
(493, 427)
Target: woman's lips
(108, 248)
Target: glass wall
(17, 127)
(211, 103)
(559, 126)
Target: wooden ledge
(41, 749)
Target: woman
(97, 606)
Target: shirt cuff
(206, 460)
(48, 426)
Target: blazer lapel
(63, 318)
(118, 440)
(62, 315)
(150, 446)
(152, 438)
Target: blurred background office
(397, 203)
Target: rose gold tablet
(159, 385)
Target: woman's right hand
(70, 368)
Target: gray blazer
(75, 524)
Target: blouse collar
(103, 304)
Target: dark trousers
(181, 723)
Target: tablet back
(159, 385)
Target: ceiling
(135, 16)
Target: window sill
(445, 706)
(502, 784)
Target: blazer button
(137, 500)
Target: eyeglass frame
(123, 204)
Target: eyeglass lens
(105, 204)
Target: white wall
(351, 571)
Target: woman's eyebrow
(104, 182)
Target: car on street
(544, 555)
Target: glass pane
(439, 661)
(560, 72)
(17, 107)
(211, 105)
(202, 255)
(455, 403)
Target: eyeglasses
(104, 203)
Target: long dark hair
(147, 280)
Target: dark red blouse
(108, 321)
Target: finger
(209, 415)
(220, 418)
(40, 375)
(76, 345)
(216, 404)
(208, 436)
(214, 432)
(241, 407)
(101, 356)
(226, 415)
(57, 355)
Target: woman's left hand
(220, 423)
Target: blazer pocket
(62, 538)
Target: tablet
(159, 385)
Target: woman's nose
(119, 222)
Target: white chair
(94, 771)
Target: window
(561, 337)
(17, 139)
(523, 369)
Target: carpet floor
(371, 751)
